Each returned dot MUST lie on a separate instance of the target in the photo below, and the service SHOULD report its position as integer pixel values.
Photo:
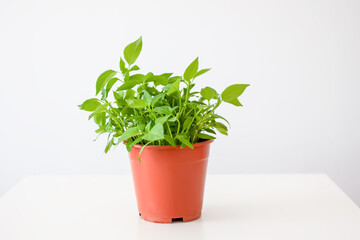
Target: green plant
(157, 109)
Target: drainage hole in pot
(177, 220)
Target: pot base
(170, 220)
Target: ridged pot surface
(169, 182)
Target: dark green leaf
(103, 79)
(132, 51)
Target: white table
(296, 206)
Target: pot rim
(198, 144)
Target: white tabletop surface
(298, 206)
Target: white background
(301, 113)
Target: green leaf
(166, 110)
(161, 80)
(109, 144)
(191, 70)
(174, 87)
(205, 136)
(103, 79)
(231, 93)
(156, 133)
(90, 104)
(136, 103)
(218, 116)
(187, 123)
(132, 51)
(173, 79)
(162, 120)
(123, 69)
(184, 140)
(129, 144)
(129, 84)
(209, 130)
(170, 140)
(220, 127)
(202, 71)
(110, 84)
(147, 98)
(134, 68)
(129, 133)
(103, 94)
(157, 98)
(208, 93)
(99, 119)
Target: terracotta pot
(169, 182)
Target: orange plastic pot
(169, 182)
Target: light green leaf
(90, 104)
(123, 69)
(111, 83)
(162, 120)
(132, 51)
(170, 140)
(136, 103)
(235, 102)
(231, 93)
(129, 133)
(103, 94)
(220, 127)
(99, 119)
(208, 93)
(173, 79)
(166, 110)
(156, 133)
(202, 71)
(161, 80)
(174, 87)
(129, 84)
(129, 145)
(191, 70)
(134, 68)
(147, 98)
(184, 140)
(157, 98)
(205, 136)
(103, 79)
(187, 123)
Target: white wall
(302, 59)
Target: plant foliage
(151, 109)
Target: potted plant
(167, 128)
